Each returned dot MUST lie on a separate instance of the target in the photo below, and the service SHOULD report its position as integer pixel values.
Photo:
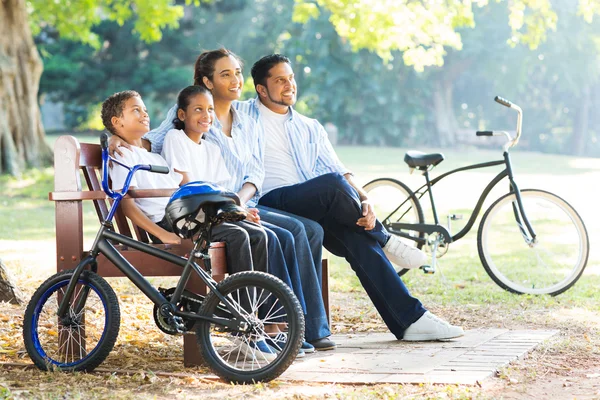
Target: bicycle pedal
(177, 324)
(428, 269)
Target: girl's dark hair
(205, 64)
(183, 101)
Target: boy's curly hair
(113, 107)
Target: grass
(461, 291)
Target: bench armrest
(100, 195)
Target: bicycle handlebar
(503, 101)
(511, 141)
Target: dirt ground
(147, 364)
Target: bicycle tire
(552, 264)
(50, 344)
(387, 213)
(221, 350)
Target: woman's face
(198, 115)
(227, 79)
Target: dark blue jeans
(335, 205)
(308, 251)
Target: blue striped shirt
(243, 152)
(311, 149)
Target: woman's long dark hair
(183, 101)
(205, 64)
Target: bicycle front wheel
(80, 340)
(551, 263)
(394, 202)
(253, 356)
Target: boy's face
(134, 122)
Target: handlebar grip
(159, 169)
(104, 141)
(484, 133)
(503, 101)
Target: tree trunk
(8, 291)
(22, 141)
(580, 129)
(445, 120)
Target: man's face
(280, 90)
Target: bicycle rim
(84, 339)
(551, 264)
(237, 356)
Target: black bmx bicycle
(72, 320)
(529, 241)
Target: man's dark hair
(260, 69)
(113, 107)
(205, 64)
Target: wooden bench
(72, 160)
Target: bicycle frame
(518, 210)
(102, 245)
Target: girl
(197, 159)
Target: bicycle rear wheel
(246, 357)
(549, 265)
(84, 337)
(395, 202)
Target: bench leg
(325, 289)
(191, 355)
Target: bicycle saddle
(417, 159)
(196, 203)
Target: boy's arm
(131, 211)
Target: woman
(239, 139)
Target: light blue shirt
(243, 152)
(311, 149)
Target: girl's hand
(253, 215)
(170, 238)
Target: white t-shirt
(154, 207)
(201, 161)
(280, 168)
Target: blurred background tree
(384, 72)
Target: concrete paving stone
(379, 357)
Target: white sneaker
(430, 327)
(403, 255)
(258, 350)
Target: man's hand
(114, 142)
(170, 238)
(368, 219)
(253, 215)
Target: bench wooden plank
(73, 159)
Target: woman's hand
(253, 215)
(114, 142)
(368, 219)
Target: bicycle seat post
(429, 186)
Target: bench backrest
(71, 157)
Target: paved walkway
(380, 358)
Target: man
(304, 176)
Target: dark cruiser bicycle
(529, 240)
(72, 320)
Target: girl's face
(227, 79)
(198, 116)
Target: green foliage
(75, 19)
